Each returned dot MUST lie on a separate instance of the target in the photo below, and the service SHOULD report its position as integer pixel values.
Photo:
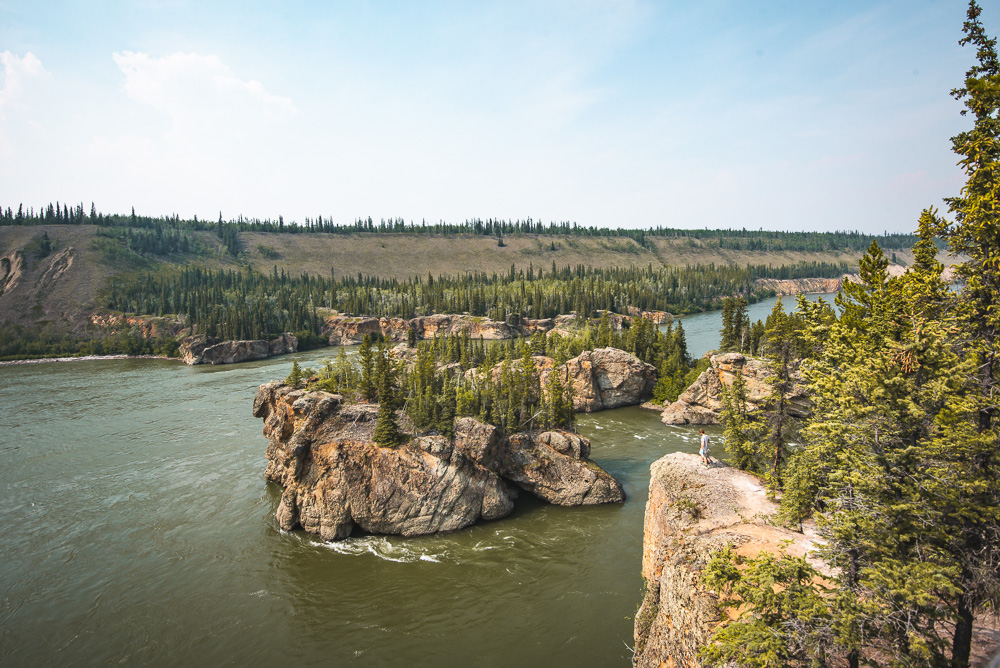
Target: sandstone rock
(196, 350)
(794, 286)
(349, 330)
(607, 378)
(692, 512)
(701, 403)
(335, 478)
(332, 482)
(148, 327)
(602, 378)
(555, 466)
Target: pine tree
(367, 357)
(295, 377)
(738, 426)
(387, 432)
(777, 422)
(727, 336)
(974, 235)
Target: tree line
(731, 239)
(228, 303)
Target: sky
(798, 115)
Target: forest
(245, 304)
(898, 462)
(228, 230)
(515, 384)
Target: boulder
(607, 378)
(197, 350)
(320, 451)
(701, 403)
(555, 467)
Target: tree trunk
(962, 641)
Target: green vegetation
(899, 461)
(18, 342)
(246, 304)
(782, 614)
(500, 383)
(228, 231)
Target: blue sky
(780, 115)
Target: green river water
(136, 528)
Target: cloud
(191, 85)
(17, 72)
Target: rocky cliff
(601, 378)
(197, 350)
(320, 451)
(794, 286)
(349, 330)
(701, 403)
(692, 511)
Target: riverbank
(87, 358)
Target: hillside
(61, 289)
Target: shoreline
(87, 358)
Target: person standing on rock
(704, 449)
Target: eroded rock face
(602, 378)
(350, 330)
(692, 512)
(335, 478)
(555, 467)
(196, 350)
(793, 286)
(608, 378)
(701, 403)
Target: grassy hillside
(404, 256)
(61, 288)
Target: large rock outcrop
(794, 286)
(692, 512)
(197, 350)
(701, 403)
(320, 451)
(608, 378)
(601, 378)
(349, 330)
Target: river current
(136, 527)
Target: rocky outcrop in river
(607, 378)
(701, 403)
(197, 350)
(602, 378)
(320, 451)
(692, 512)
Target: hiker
(704, 449)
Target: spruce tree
(738, 426)
(295, 377)
(975, 235)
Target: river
(136, 527)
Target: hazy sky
(805, 115)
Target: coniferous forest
(899, 461)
